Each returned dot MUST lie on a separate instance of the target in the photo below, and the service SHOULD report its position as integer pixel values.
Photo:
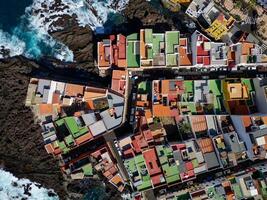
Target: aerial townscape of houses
(182, 129)
(148, 50)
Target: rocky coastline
(21, 144)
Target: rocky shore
(21, 144)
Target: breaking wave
(31, 36)
(14, 188)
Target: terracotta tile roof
(264, 119)
(122, 46)
(56, 98)
(102, 60)
(148, 114)
(142, 44)
(161, 111)
(246, 48)
(49, 148)
(156, 179)
(183, 41)
(73, 89)
(86, 137)
(189, 166)
(165, 86)
(45, 109)
(151, 162)
(205, 145)
(91, 93)
(199, 123)
(118, 74)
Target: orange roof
(237, 91)
(183, 41)
(264, 119)
(116, 180)
(56, 98)
(84, 138)
(45, 109)
(246, 48)
(206, 145)
(73, 89)
(199, 123)
(165, 86)
(231, 55)
(142, 103)
(118, 74)
(49, 148)
(148, 114)
(91, 93)
(246, 121)
(102, 62)
(122, 63)
(161, 111)
(142, 45)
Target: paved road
(110, 137)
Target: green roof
(172, 38)
(88, 169)
(134, 36)
(213, 194)
(133, 59)
(249, 84)
(237, 190)
(149, 53)
(144, 87)
(130, 165)
(72, 125)
(172, 59)
(215, 87)
(69, 140)
(157, 39)
(195, 163)
(62, 145)
(148, 36)
(171, 172)
(142, 170)
(60, 122)
(189, 86)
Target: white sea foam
(12, 43)
(88, 12)
(9, 189)
(31, 37)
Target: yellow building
(220, 27)
(236, 94)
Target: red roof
(206, 60)
(122, 46)
(151, 162)
(156, 179)
(148, 135)
(84, 138)
(56, 98)
(189, 166)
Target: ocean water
(25, 31)
(14, 188)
